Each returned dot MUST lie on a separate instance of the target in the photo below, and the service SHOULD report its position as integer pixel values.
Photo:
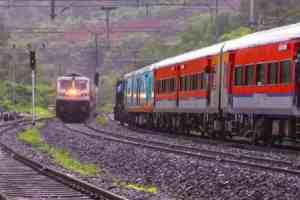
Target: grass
(40, 111)
(137, 187)
(61, 157)
(105, 109)
(142, 188)
(101, 120)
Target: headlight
(72, 92)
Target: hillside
(139, 35)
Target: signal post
(33, 70)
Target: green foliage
(137, 187)
(107, 87)
(101, 120)
(23, 97)
(271, 13)
(105, 108)
(200, 33)
(142, 188)
(241, 31)
(61, 157)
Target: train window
(272, 73)
(249, 75)
(186, 83)
(191, 83)
(160, 86)
(200, 81)
(181, 83)
(260, 74)
(166, 85)
(285, 71)
(172, 85)
(195, 82)
(238, 76)
(205, 80)
(157, 86)
(65, 84)
(297, 70)
(81, 84)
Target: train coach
(247, 87)
(75, 98)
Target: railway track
(201, 153)
(22, 178)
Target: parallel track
(21, 177)
(224, 157)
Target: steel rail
(240, 160)
(72, 182)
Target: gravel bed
(176, 177)
(200, 143)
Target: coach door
(297, 79)
(213, 82)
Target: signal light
(96, 80)
(32, 60)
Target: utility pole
(251, 15)
(60, 70)
(217, 22)
(97, 56)
(107, 10)
(96, 80)
(14, 80)
(147, 10)
(33, 70)
(52, 15)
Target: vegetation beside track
(23, 98)
(61, 157)
(141, 188)
(101, 120)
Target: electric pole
(96, 46)
(33, 74)
(14, 63)
(107, 10)
(251, 15)
(147, 10)
(52, 15)
(217, 22)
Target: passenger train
(247, 87)
(75, 98)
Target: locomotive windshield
(79, 84)
(65, 84)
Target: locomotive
(247, 87)
(75, 98)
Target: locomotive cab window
(81, 84)
(285, 71)
(238, 76)
(260, 74)
(65, 84)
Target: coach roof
(280, 34)
(270, 36)
(207, 51)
